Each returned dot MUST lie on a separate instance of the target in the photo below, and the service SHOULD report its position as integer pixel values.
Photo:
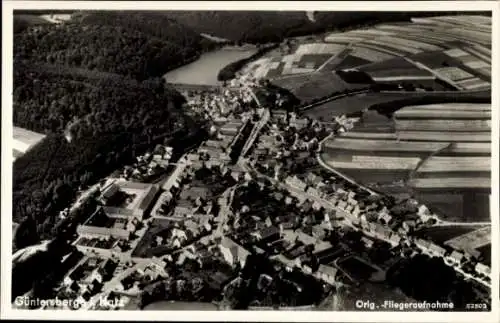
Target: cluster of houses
(218, 150)
(377, 221)
(87, 278)
(149, 165)
(219, 103)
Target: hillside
(111, 119)
(132, 44)
(261, 27)
(24, 21)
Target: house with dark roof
(267, 233)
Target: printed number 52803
(478, 306)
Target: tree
(26, 233)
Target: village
(182, 229)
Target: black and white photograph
(251, 161)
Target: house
(267, 233)
(179, 234)
(327, 273)
(382, 231)
(288, 200)
(278, 196)
(236, 175)
(483, 270)
(367, 242)
(318, 232)
(247, 177)
(192, 227)
(436, 250)
(106, 269)
(409, 225)
(423, 244)
(299, 123)
(356, 211)
(312, 191)
(233, 253)
(109, 192)
(316, 206)
(182, 211)
(456, 257)
(307, 269)
(342, 205)
(314, 179)
(294, 181)
(384, 217)
(307, 206)
(423, 210)
(395, 239)
(352, 202)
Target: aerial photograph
(251, 160)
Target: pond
(204, 70)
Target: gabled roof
(327, 270)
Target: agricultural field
(456, 136)
(442, 114)
(309, 87)
(369, 54)
(375, 162)
(443, 125)
(441, 234)
(312, 61)
(351, 61)
(457, 205)
(353, 104)
(472, 240)
(439, 164)
(486, 253)
(452, 178)
(396, 63)
(379, 51)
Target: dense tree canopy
(274, 26)
(110, 119)
(131, 44)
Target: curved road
(333, 170)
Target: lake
(204, 70)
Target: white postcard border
(275, 316)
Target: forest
(260, 27)
(109, 121)
(132, 44)
(428, 279)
